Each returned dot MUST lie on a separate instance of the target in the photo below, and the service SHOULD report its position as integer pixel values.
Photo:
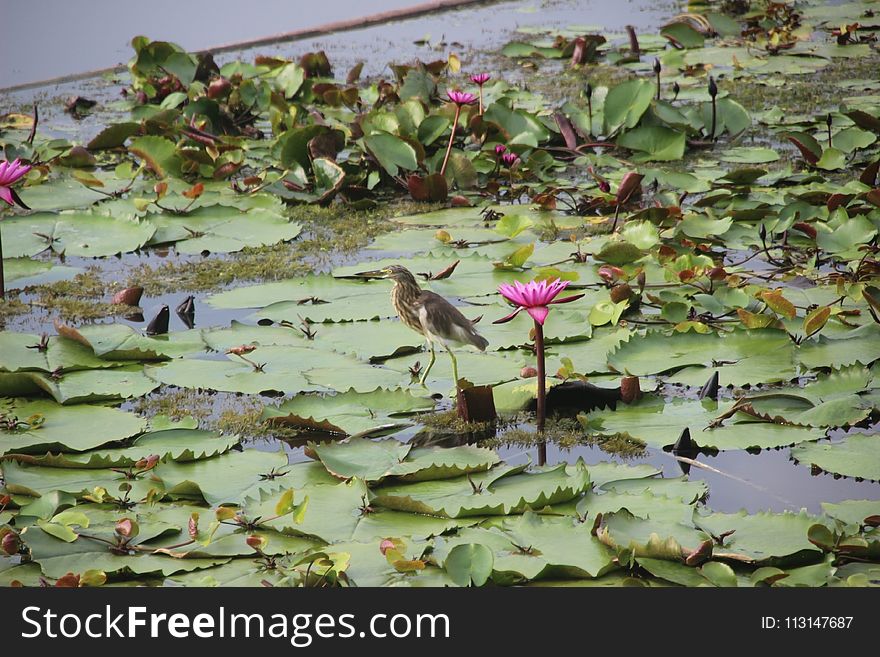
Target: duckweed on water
(567, 433)
(328, 232)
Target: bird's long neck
(404, 295)
(406, 291)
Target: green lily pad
(424, 464)
(861, 345)
(349, 412)
(681, 488)
(643, 505)
(122, 342)
(853, 512)
(392, 152)
(855, 456)
(174, 444)
(57, 558)
(654, 143)
(331, 514)
(26, 271)
(626, 103)
(749, 155)
(369, 460)
(649, 538)
(21, 352)
(504, 491)
(224, 479)
(86, 234)
(659, 424)
(222, 229)
(761, 537)
(64, 428)
(741, 357)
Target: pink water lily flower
(509, 158)
(461, 97)
(480, 78)
(499, 149)
(534, 297)
(10, 173)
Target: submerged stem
(712, 136)
(451, 139)
(542, 390)
(590, 114)
(2, 282)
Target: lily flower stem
(451, 139)
(590, 114)
(714, 116)
(658, 84)
(2, 282)
(481, 100)
(542, 390)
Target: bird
(430, 315)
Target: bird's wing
(441, 319)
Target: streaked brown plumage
(429, 314)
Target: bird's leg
(430, 364)
(454, 367)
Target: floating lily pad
(50, 426)
(852, 512)
(331, 514)
(348, 412)
(239, 333)
(741, 357)
(122, 342)
(659, 424)
(86, 234)
(83, 385)
(761, 537)
(280, 371)
(21, 352)
(224, 479)
(174, 444)
(222, 229)
(26, 271)
(861, 345)
(424, 464)
(309, 290)
(649, 538)
(687, 491)
(504, 491)
(854, 457)
(749, 155)
(643, 505)
(57, 558)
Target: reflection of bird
(429, 314)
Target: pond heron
(429, 314)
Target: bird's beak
(375, 273)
